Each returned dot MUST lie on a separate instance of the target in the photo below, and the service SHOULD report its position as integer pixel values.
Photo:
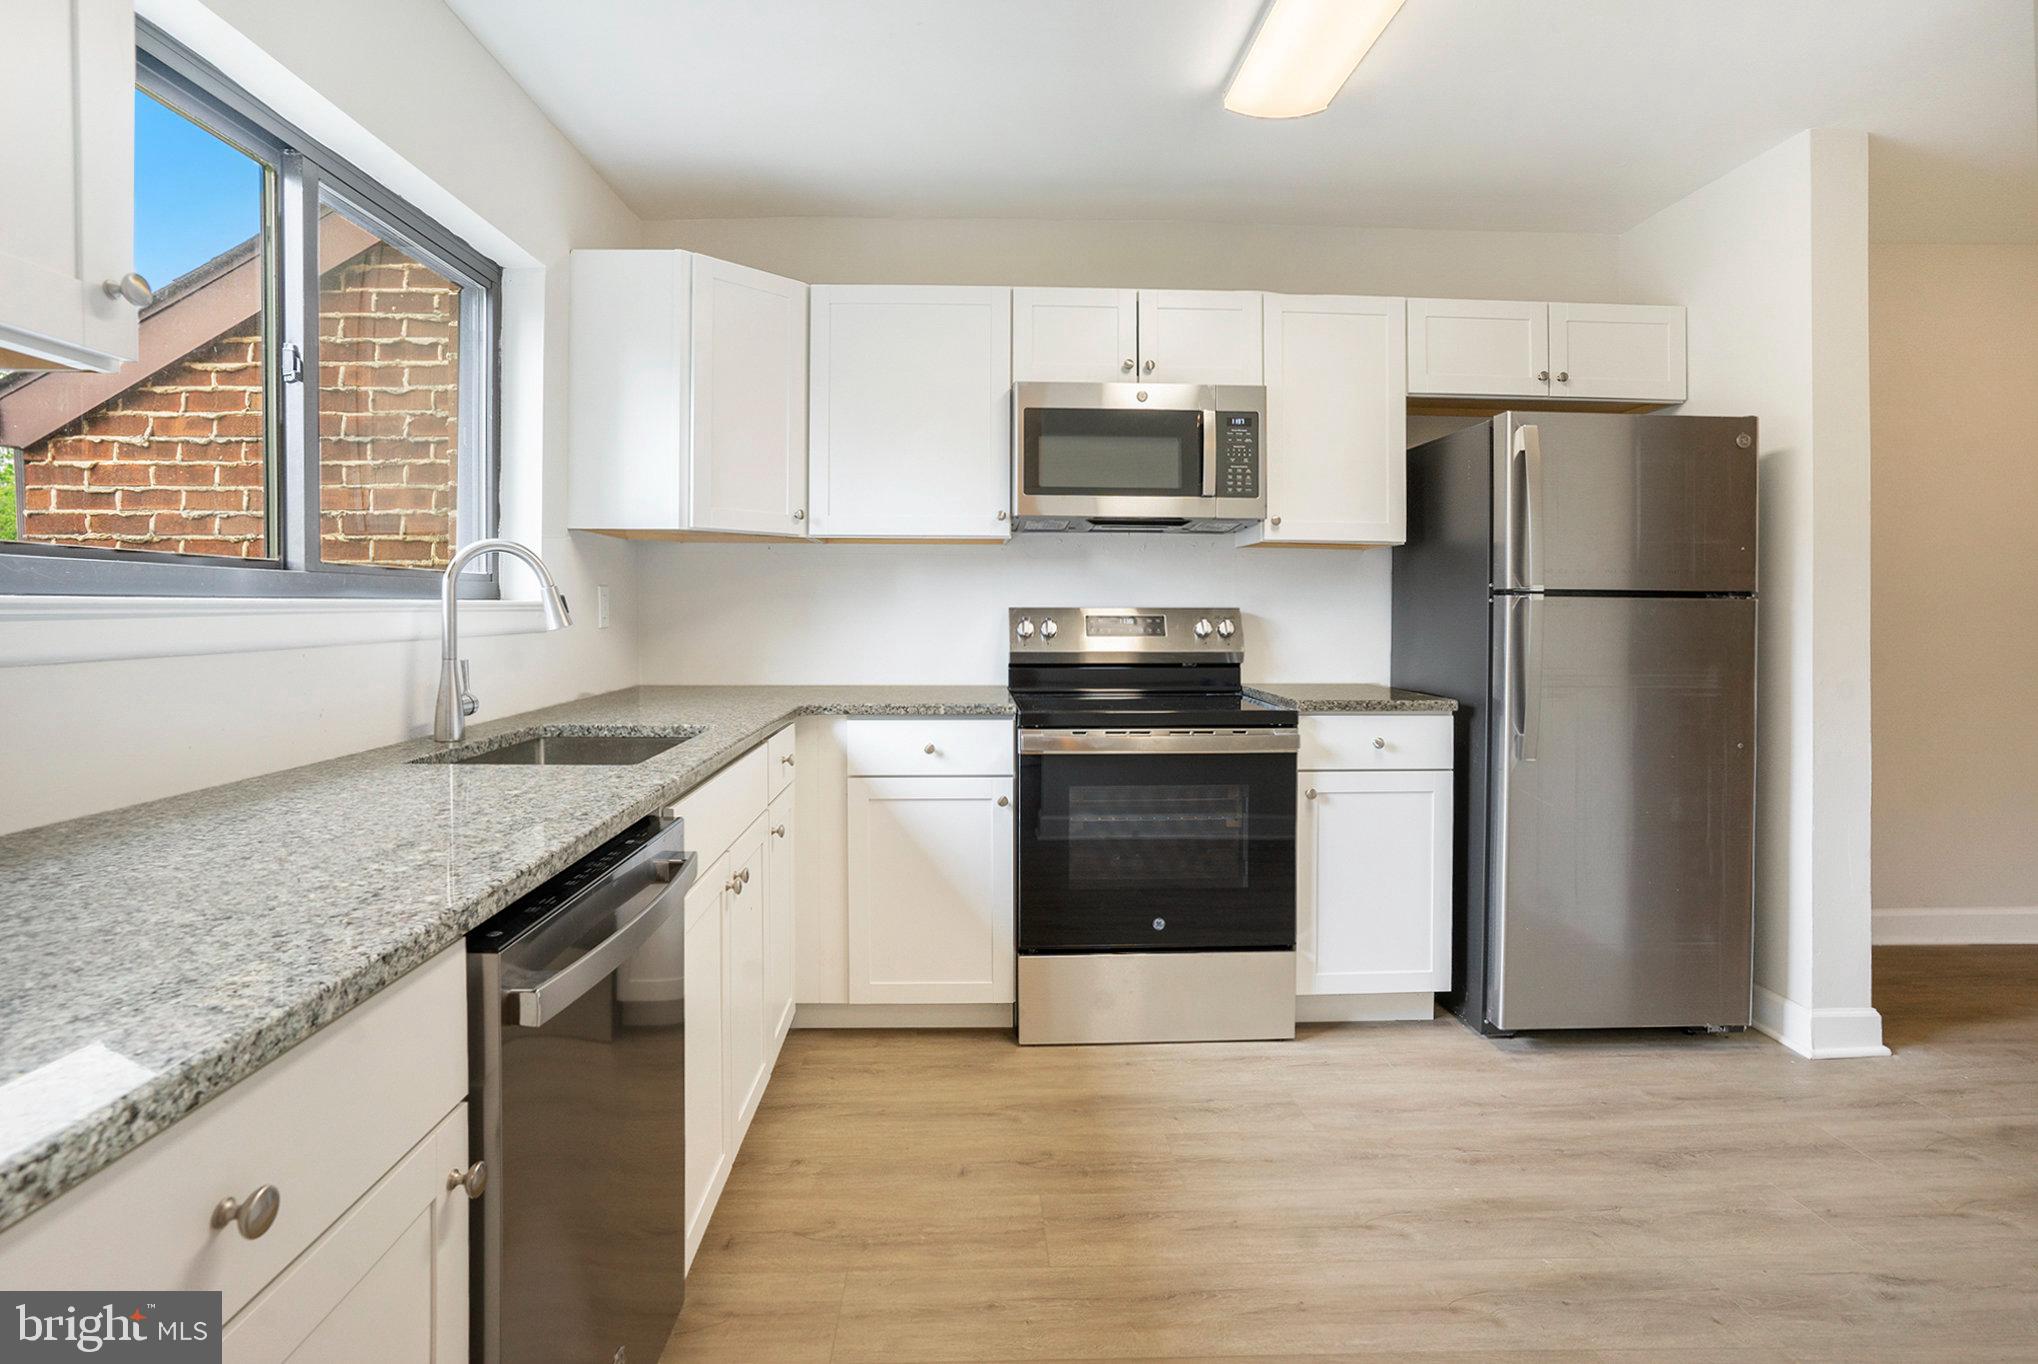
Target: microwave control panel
(1238, 454)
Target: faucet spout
(455, 704)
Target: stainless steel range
(1156, 830)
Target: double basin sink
(560, 747)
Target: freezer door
(1604, 502)
(1621, 877)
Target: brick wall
(176, 462)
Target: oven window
(1161, 836)
(1087, 451)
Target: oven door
(1156, 842)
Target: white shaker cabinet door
(1074, 336)
(67, 110)
(1617, 350)
(1478, 347)
(910, 412)
(388, 1281)
(749, 1030)
(780, 873)
(749, 400)
(708, 1149)
(1199, 336)
(930, 890)
(1373, 884)
(1337, 425)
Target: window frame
(299, 173)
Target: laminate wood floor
(1385, 1190)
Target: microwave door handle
(1208, 421)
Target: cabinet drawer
(322, 1124)
(1375, 743)
(911, 747)
(778, 759)
(723, 806)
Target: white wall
(429, 112)
(887, 613)
(1954, 346)
(1771, 262)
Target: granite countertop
(159, 953)
(1351, 698)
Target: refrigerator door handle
(1525, 661)
(1528, 453)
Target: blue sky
(194, 196)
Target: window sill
(38, 631)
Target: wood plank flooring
(1385, 1190)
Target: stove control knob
(1203, 628)
(1226, 629)
(1048, 629)
(1024, 629)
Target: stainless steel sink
(545, 749)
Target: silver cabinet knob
(1275, 522)
(744, 876)
(799, 513)
(733, 886)
(1379, 743)
(1128, 367)
(787, 760)
(1542, 376)
(1563, 376)
(1310, 794)
(1004, 516)
(1226, 628)
(473, 1179)
(254, 1214)
(1003, 801)
(778, 831)
(928, 749)
(132, 288)
(1149, 367)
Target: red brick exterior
(176, 462)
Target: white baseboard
(1396, 1008)
(1949, 927)
(903, 1016)
(1819, 1034)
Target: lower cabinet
(743, 949)
(1373, 858)
(388, 1281)
(930, 890)
(779, 917)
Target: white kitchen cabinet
(709, 1151)
(67, 105)
(749, 1030)
(910, 412)
(1200, 336)
(1617, 350)
(930, 865)
(387, 1282)
(1337, 429)
(689, 394)
(1482, 347)
(780, 876)
(1373, 882)
(1074, 336)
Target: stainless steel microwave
(1183, 457)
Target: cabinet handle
(473, 1179)
(1003, 801)
(1563, 376)
(1542, 376)
(1310, 794)
(132, 288)
(799, 513)
(1127, 367)
(778, 831)
(744, 876)
(787, 760)
(1275, 522)
(1004, 515)
(928, 749)
(1149, 367)
(1379, 743)
(253, 1215)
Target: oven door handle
(1077, 741)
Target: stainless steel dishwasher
(576, 1069)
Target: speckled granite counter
(1351, 698)
(157, 954)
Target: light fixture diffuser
(1304, 53)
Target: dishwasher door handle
(640, 916)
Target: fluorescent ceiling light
(1304, 53)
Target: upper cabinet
(1337, 424)
(1501, 349)
(1163, 336)
(689, 396)
(1074, 336)
(911, 412)
(67, 235)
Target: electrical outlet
(601, 607)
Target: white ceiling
(1555, 115)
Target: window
(313, 411)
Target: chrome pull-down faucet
(456, 703)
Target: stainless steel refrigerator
(1583, 585)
